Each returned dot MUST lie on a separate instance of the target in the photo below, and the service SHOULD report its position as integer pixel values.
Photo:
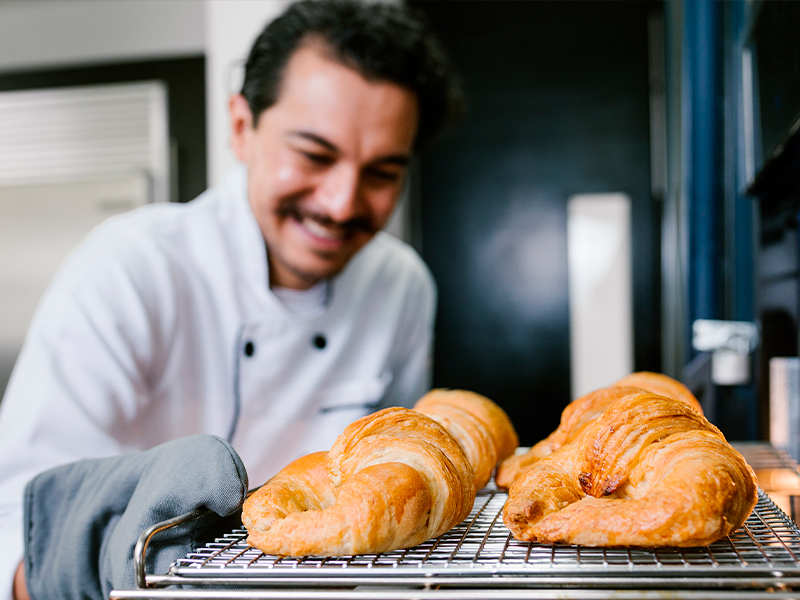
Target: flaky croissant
(582, 412)
(649, 471)
(392, 480)
(482, 428)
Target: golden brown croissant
(660, 384)
(650, 471)
(580, 413)
(481, 427)
(392, 480)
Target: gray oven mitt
(82, 520)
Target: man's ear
(241, 126)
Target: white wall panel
(49, 33)
(231, 28)
(600, 290)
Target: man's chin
(323, 265)
(306, 276)
(306, 267)
(317, 275)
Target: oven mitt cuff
(82, 520)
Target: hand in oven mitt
(83, 519)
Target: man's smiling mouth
(321, 226)
(334, 233)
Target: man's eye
(317, 159)
(380, 174)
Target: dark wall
(777, 52)
(185, 82)
(558, 97)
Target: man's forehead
(321, 95)
(314, 60)
(314, 52)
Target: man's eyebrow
(401, 160)
(314, 138)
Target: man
(269, 312)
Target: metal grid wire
(765, 456)
(768, 544)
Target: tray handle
(140, 549)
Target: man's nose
(340, 193)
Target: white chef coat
(162, 324)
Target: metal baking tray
(480, 559)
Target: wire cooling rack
(480, 559)
(761, 455)
(481, 553)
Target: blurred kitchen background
(623, 193)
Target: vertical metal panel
(740, 244)
(702, 72)
(708, 245)
(674, 245)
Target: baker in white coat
(270, 311)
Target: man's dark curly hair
(382, 41)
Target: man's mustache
(291, 208)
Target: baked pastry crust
(392, 480)
(479, 425)
(582, 412)
(649, 471)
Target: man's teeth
(326, 233)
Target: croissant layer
(391, 480)
(582, 412)
(479, 425)
(650, 471)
